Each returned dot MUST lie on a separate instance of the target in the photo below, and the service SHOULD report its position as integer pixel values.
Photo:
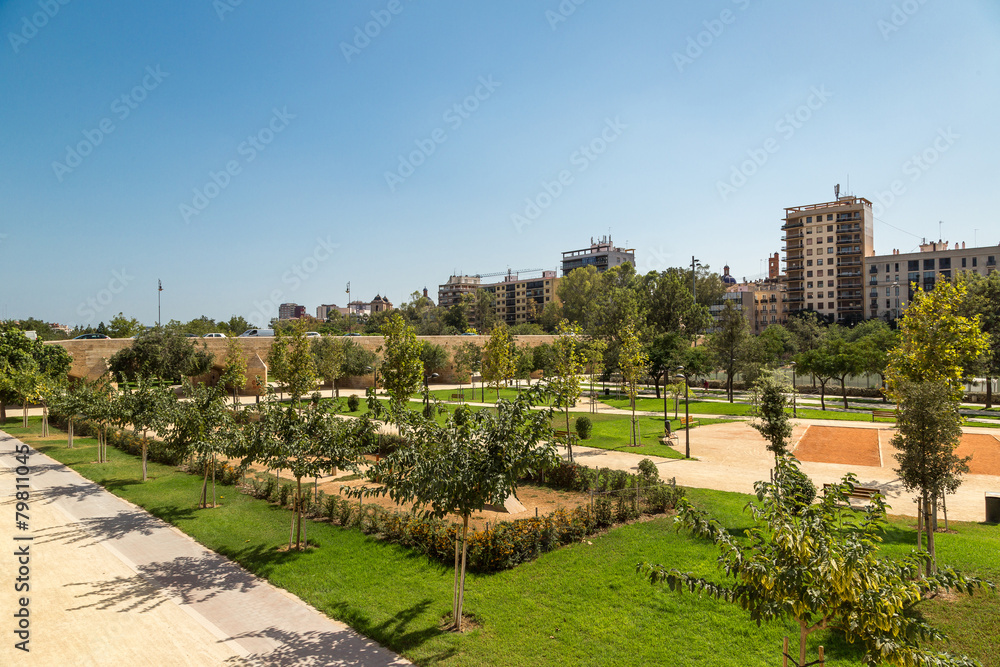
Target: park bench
(685, 422)
(890, 414)
(564, 436)
(861, 492)
(458, 397)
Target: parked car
(312, 334)
(92, 336)
(351, 334)
(260, 333)
(214, 335)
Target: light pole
(795, 393)
(694, 294)
(687, 414)
(348, 306)
(427, 389)
(159, 288)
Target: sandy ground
(828, 444)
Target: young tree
(928, 431)
(402, 370)
(499, 360)
(203, 426)
(277, 362)
(434, 357)
(728, 343)
(166, 355)
(468, 360)
(17, 351)
(821, 362)
(632, 361)
(569, 364)
(146, 407)
(937, 343)
(300, 368)
(983, 299)
(462, 466)
(873, 340)
(770, 399)
(819, 566)
(234, 370)
(124, 327)
(328, 357)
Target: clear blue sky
(117, 115)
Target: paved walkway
(111, 584)
(732, 456)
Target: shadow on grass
(396, 630)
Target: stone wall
(90, 356)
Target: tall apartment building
(456, 288)
(521, 300)
(825, 249)
(291, 311)
(893, 278)
(767, 305)
(323, 311)
(601, 254)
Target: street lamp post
(687, 414)
(427, 389)
(795, 393)
(159, 315)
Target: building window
(928, 265)
(914, 264)
(887, 291)
(944, 263)
(819, 284)
(809, 295)
(887, 303)
(819, 262)
(829, 216)
(975, 261)
(829, 295)
(829, 272)
(809, 252)
(829, 251)
(809, 262)
(809, 306)
(809, 231)
(820, 305)
(830, 305)
(809, 219)
(809, 274)
(829, 239)
(963, 262)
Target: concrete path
(110, 584)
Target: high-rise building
(892, 279)
(825, 249)
(601, 254)
(521, 300)
(291, 311)
(456, 288)
(323, 311)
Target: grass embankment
(582, 604)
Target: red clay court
(860, 446)
(831, 444)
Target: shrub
(261, 489)
(461, 415)
(662, 498)
(584, 427)
(330, 507)
(353, 403)
(603, 512)
(428, 411)
(797, 490)
(283, 493)
(648, 471)
(346, 513)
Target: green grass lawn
(613, 432)
(582, 604)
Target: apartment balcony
(849, 227)
(848, 274)
(848, 239)
(797, 246)
(850, 283)
(849, 250)
(794, 235)
(793, 225)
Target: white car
(214, 335)
(312, 334)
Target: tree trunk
(920, 524)
(989, 393)
(931, 562)
(454, 590)
(656, 384)
(461, 589)
(213, 481)
(569, 437)
(843, 392)
(803, 635)
(822, 395)
(204, 488)
(3, 412)
(69, 434)
(298, 512)
(24, 413)
(944, 506)
(934, 512)
(144, 456)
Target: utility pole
(159, 314)
(694, 291)
(348, 306)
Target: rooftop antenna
(836, 191)
(940, 222)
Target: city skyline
(251, 155)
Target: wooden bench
(861, 492)
(458, 397)
(565, 436)
(890, 414)
(685, 422)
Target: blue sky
(253, 153)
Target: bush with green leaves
(584, 427)
(648, 470)
(798, 490)
(353, 403)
